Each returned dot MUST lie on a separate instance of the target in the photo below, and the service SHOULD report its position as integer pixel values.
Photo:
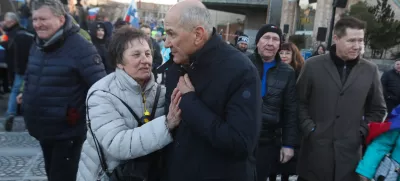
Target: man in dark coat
(220, 101)
(18, 46)
(279, 110)
(62, 67)
(339, 93)
(391, 86)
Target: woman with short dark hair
(126, 111)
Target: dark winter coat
(334, 110)
(391, 88)
(57, 79)
(218, 134)
(279, 110)
(17, 49)
(102, 47)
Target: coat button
(341, 94)
(337, 116)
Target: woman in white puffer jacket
(114, 126)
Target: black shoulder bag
(130, 170)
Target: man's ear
(335, 38)
(61, 19)
(200, 34)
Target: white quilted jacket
(116, 129)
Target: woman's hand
(174, 114)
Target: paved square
(20, 155)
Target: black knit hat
(100, 25)
(269, 28)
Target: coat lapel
(332, 70)
(357, 69)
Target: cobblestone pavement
(20, 154)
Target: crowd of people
(93, 101)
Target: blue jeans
(12, 100)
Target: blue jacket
(381, 145)
(59, 73)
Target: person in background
(387, 143)
(290, 54)
(157, 58)
(18, 46)
(242, 44)
(62, 67)
(335, 91)
(3, 65)
(319, 51)
(3, 68)
(99, 36)
(391, 86)
(119, 23)
(25, 14)
(159, 40)
(220, 101)
(279, 129)
(238, 32)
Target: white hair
(196, 16)
(12, 16)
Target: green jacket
(82, 32)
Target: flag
(392, 123)
(93, 13)
(132, 15)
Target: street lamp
(334, 4)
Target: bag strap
(154, 109)
(99, 150)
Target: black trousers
(61, 158)
(267, 157)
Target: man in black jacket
(62, 67)
(391, 86)
(279, 125)
(17, 53)
(220, 101)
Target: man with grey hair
(17, 53)
(220, 101)
(62, 67)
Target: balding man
(220, 101)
